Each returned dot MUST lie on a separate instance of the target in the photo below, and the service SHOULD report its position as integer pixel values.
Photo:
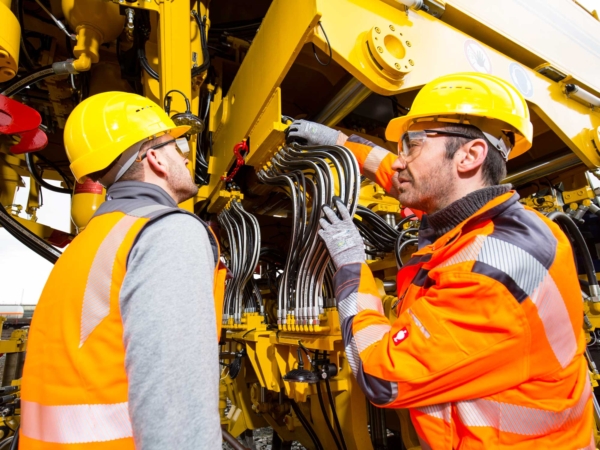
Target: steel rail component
(542, 168)
(343, 103)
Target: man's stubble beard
(432, 192)
(181, 182)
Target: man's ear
(157, 163)
(471, 156)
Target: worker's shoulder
(175, 226)
(521, 231)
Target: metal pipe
(344, 102)
(227, 437)
(539, 169)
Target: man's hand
(341, 237)
(305, 132)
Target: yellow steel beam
(282, 33)
(436, 49)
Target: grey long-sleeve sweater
(171, 353)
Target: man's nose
(399, 163)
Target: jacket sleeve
(466, 338)
(375, 163)
(169, 329)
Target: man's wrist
(341, 139)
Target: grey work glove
(305, 132)
(341, 237)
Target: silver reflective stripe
(442, 411)
(347, 307)
(75, 424)
(533, 278)
(468, 253)
(352, 355)
(370, 335)
(373, 160)
(519, 419)
(370, 302)
(96, 299)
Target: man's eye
(412, 144)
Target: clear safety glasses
(181, 145)
(413, 141)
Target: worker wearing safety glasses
(122, 351)
(487, 348)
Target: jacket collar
(494, 207)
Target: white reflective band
(441, 411)
(519, 419)
(370, 335)
(75, 424)
(373, 161)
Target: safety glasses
(181, 145)
(413, 141)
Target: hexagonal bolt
(380, 49)
(408, 44)
(377, 30)
(397, 66)
(392, 28)
(411, 62)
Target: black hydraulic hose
(403, 221)
(39, 180)
(27, 238)
(196, 70)
(572, 230)
(58, 170)
(18, 86)
(203, 43)
(400, 247)
(145, 64)
(306, 424)
(335, 415)
(326, 417)
(15, 442)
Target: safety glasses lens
(412, 140)
(183, 147)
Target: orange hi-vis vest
(487, 348)
(75, 391)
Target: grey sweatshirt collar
(139, 190)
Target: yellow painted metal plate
(558, 31)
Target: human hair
(493, 169)
(135, 172)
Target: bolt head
(397, 66)
(411, 62)
(408, 44)
(380, 49)
(377, 30)
(392, 28)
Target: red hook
(239, 159)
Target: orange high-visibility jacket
(75, 391)
(487, 350)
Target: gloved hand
(341, 237)
(305, 132)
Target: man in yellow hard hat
(122, 351)
(487, 347)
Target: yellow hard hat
(485, 101)
(105, 125)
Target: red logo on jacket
(400, 336)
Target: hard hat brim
(395, 128)
(179, 131)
